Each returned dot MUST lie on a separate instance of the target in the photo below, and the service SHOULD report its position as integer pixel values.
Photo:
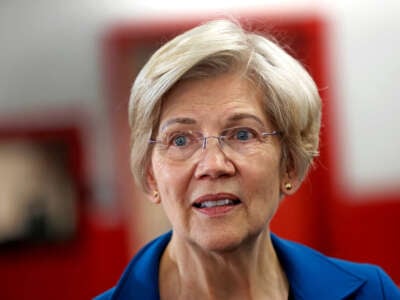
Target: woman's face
(217, 198)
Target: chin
(221, 241)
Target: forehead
(213, 100)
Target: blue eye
(243, 135)
(180, 141)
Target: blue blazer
(311, 275)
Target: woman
(224, 125)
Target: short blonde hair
(291, 98)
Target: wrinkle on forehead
(226, 97)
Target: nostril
(214, 175)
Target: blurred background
(70, 215)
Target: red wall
(74, 269)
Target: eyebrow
(189, 121)
(179, 121)
(241, 116)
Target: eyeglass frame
(220, 139)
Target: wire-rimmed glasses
(180, 145)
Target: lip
(215, 197)
(216, 211)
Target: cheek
(265, 186)
(265, 196)
(262, 179)
(170, 179)
(266, 164)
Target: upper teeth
(208, 204)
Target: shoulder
(140, 278)
(105, 295)
(376, 281)
(314, 273)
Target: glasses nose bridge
(205, 141)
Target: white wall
(366, 66)
(50, 60)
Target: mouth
(216, 203)
(216, 200)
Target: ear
(290, 183)
(152, 194)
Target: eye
(180, 140)
(242, 134)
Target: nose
(213, 162)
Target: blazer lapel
(313, 275)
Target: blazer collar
(313, 275)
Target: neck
(250, 271)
